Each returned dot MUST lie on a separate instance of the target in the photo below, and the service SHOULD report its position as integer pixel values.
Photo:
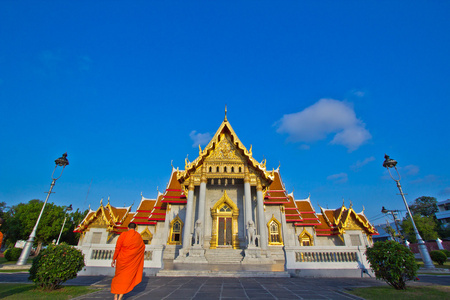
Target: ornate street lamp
(391, 163)
(60, 162)
(64, 223)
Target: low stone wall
(318, 261)
(430, 246)
(98, 257)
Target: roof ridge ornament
(225, 119)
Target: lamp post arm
(27, 249)
(59, 237)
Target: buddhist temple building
(226, 208)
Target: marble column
(187, 234)
(248, 200)
(261, 217)
(202, 201)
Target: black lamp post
(391, 163)
(60, 162)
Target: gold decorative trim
(146, 233)
(278, 232)
(306, 236)
(170, 240)
(216, 214)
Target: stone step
(224, 256)
(210, 273)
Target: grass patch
(445, 266)
(22, 291)
(412, 292)
(4, 261)
(14, 271)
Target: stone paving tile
(206, 296)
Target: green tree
(73, 219)
(393, 263)
(424, 206)
(21, 218)
(427, 227)
(3, 209)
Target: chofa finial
(225, 120)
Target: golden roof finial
(351, 204)
(225, 120)
(108, 199)
(101, 202)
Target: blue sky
(325, 88)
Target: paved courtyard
(206, 288)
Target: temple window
(355, 240)
(274, 232)
(217, 169)
(225, 208)
(176, 228)
(240, 170)
(232, 169)
(96, 237)
(210, 169)
(147, 236)
(305, 238)
(224, 169)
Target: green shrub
(446, 252)
(56, 264)
(393, 263)
(438, 256)
(12, 254)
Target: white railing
(318, 257)
(101, 255)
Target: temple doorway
(225, 232)
(224, 226)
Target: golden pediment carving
(225, 150)
(352, 225)
(99, 223)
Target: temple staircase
(224, 256)
(222, 262)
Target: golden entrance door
(225, 232)
(224, 216)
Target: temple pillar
(201, 202)
(261, 217)
(187, 234)
(248, 200)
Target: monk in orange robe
(129, 262)
(1, 234)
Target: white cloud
(411, 170)
(338, 178)
(359, 164)
(327, 116)
(358, 93)
(199, 138)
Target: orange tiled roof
(174, 193)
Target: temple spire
(225, 120)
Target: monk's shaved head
(132, 225)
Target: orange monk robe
(129, 256)
(1, 239)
